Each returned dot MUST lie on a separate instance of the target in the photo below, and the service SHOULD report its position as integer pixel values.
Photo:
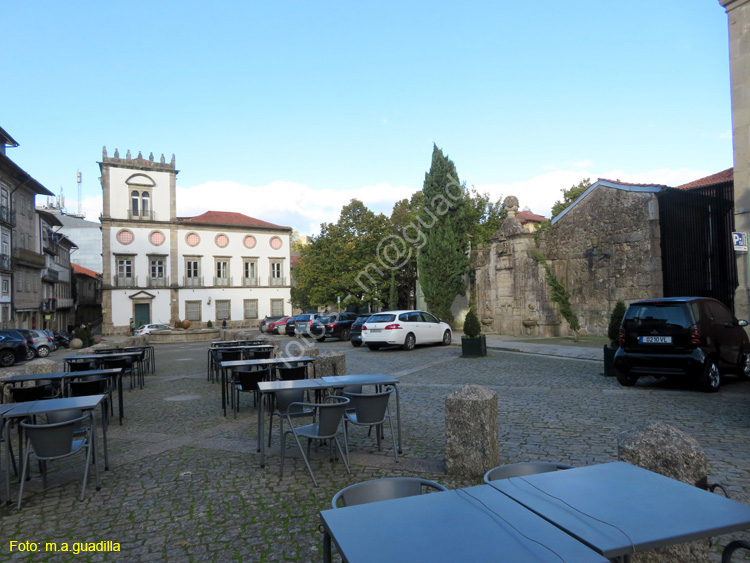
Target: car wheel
(409, 342)
(374, 347)
(321, 339)
(710, 380)
(446, 338)
(345, 334)
(356, 344)
(625, 379)
(30, 354)
(7, 358)
(42, 351)
(744, 368)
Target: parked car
(263, 326)
(336, 325)
(405, 329)
(693, 337)
(303, 323)
(290, 325)
(148, 329)
(43, 342)
(276, 327)
(12, 350)
(355, 331)
(25, 336)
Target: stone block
(296, 347)
(41, 366)
(76, 344)
(471, 442)
(330, 363)
(664, 449)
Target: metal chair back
(32, 393)
(384, 489)
(291, 373)
(370, 408)
(51, 441)
(523, 469)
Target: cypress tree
(443, 258)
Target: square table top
(617, 508)
(100, 356)
(476, 524)
(30, 408)
(266, 362)
(359, 379)
(60, 375)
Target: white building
(158, 267)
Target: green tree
(483, 216)
(408, 230)
(443, 258)
(569, 196)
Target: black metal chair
(283, 401)
(327, 417)
(54, 441)
(731, 547)
(523, 469)
(246, 381)
(371, 410)
(31, 393)
(291, 373)
(93, 385)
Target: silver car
(43, 343)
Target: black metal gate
(696, 242)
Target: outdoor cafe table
(64, 376)
(334, 382)
(97, 358)
(33, 408)
(618, 509)
(476, 524)
(239, 347)
(256, 363)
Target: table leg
(119, 396)
(92, 414)
(261, 432)
(326, 547)
(6, 445)
(398, 419)
(223, 391)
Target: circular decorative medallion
(249, 241)
(276, 243)
(222, 241)
(156, 238)
(125, 236)
(192, 239)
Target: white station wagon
(405, 329)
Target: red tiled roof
(632, 184)
(718, 178)
(229, 218)
(81, 270)
(529, 217)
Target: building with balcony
(57, 292)
(87, 292)
(157, 267)
(22, 261)
(86, 234)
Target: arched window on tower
(145, 206)
(134, 204)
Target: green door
(142, 314)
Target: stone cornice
(730, 5)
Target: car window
(381, 318)
(719, 313)
(657, 315)
(426, 317)
(324, 320)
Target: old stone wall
(607, 247)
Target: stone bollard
(41, 366)
(471, 443)
(295, 347)
(664, 449)
(76, 344)
(330, 363)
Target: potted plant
(613, 333)
(473, 342)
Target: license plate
(655, 340)
(375, 330)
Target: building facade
(157, 267)
(57, 293)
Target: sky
(285, 111)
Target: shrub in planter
(209, 324)
(473, 343)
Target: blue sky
(285, 111)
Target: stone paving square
(185, 483)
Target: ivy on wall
(560, 295)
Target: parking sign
(740, 242)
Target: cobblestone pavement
(185, 484)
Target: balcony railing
(28, 257)
(276, 282)
(50, 245)
(250, 282)
(142, 215)
(49, 304)
(65, 302)
(196, 281)
(6, 262)
(7, 215)
(119, 281)
(158, 282)
(50, 274)
(222, 282)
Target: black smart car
(694, 337)
(335, 325)
(355, 331)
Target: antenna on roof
(78, 179)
